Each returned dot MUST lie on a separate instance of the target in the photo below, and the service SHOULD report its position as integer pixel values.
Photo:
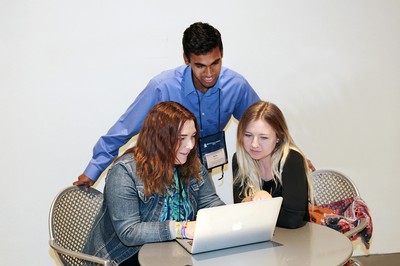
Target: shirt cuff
(172, 229)
(92, 172)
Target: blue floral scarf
(177, 205)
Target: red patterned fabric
(343, 216)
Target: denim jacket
(128, 219)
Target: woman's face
(187, 140)
(259, 140)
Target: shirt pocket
(143, 198)
(195, 185)
(150, 206)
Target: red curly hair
(157, 144)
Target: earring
(277, 141)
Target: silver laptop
(233, 225)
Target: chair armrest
(361, 226)
(78, 255)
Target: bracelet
(183, 229)
(178, 229)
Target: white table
(309, 245)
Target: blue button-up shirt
(231, 95)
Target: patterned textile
(177, 204)
(343, 216)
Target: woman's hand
(190, 226)
(259, 195)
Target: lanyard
(219, 122)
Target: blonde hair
(249, 173)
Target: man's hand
(311, 166)
(84, 180)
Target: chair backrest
(331, 186)
(71, 218)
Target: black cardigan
(294, 210)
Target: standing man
(211, 92)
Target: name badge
(212, 149)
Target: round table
(309, 245)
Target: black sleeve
(236, 188)
(294, 208)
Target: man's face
(205, 69)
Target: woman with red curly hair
(154, 190)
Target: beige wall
(69, 69)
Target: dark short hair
(200, 38)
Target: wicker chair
(330, 186)
(71, 218)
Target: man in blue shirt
(212, 92)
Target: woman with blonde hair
(268, 164)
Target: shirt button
(202, 113)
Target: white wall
(69, 69)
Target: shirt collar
(188, 83)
